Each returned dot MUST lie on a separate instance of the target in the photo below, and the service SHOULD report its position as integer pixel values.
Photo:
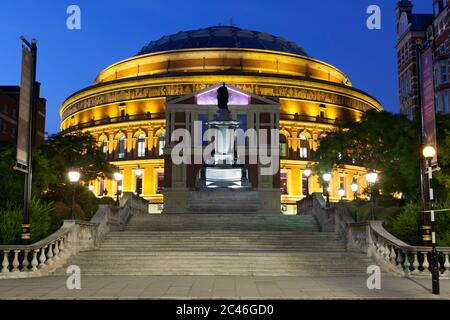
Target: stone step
(189, 222)
(218, 233)
(221, 244)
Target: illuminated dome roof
(222, 37)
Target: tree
(382, 141)
(79, 151)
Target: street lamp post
(74, 176)
(118, 178)
(354, 187)
(327, 178)
(371, 178)
(428, 153)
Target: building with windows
(412, 31)
(129, 106)
(9, 114)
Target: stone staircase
(221, 244)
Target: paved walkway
(218, 287)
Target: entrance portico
(249, 112)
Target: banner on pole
(24, 109)
(428, 103)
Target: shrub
(442, 226)
(10, 224)
(407, 225)
(40, 220)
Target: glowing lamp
(371, 177)
(429, 152)
(138, 172)
(74, 176)
(117, 176)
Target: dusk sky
(69, 60)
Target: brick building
(413, 30)
(9, 114)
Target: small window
(444, 74)
(105, 146)
(283, 146)
(141, 145)
(304, 147)
(122, 147)
(161, 143)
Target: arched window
(283, 146)
(121, 147)
(161, 143)
(304, 147)
(141, 145)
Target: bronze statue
(222, 97)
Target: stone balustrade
(45, 256)
(370, 237)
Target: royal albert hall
(125, 109)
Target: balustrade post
(49, 260)
(446, 264)
(42, 257)
(416, 263)
(25, 262)
(56, 251)
(15, 262)
(406, 265)
(5, 263)
(400, 259)
(425, 263)
(34, 260)
(392, 256)
(62, 248)
(386, 252)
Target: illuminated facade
(125, 108)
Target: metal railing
(370, 237)
(45, 256)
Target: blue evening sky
(68, 60)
